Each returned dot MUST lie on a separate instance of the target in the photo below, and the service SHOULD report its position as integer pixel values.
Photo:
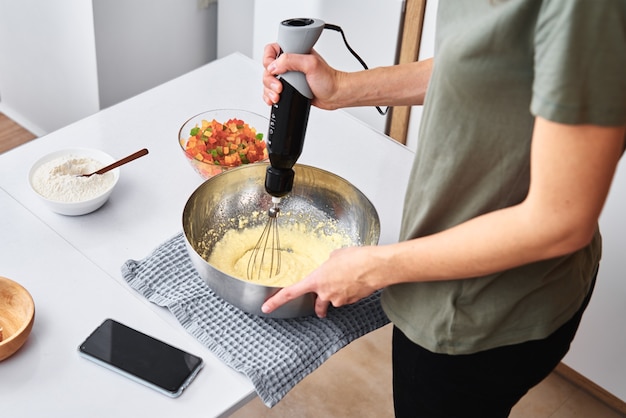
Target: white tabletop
(71, 265)
(47, 378)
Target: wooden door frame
(411, 35)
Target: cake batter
(302, 250)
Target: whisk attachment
(264, 259)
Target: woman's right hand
(323, 80)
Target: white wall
(235, 38)
(599, 349)
(63, 60)
(47, 62)
(143, 43)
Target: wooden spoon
(116, 164)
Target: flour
(60, 180)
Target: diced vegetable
(228, 144)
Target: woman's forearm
(385, 86)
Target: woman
(523, 127)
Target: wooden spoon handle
(123, 161)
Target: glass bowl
(218, 140)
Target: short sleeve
(580, 62)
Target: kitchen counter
(71, 265)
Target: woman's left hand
(343, 279)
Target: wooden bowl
(17, 314)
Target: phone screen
(141, 357)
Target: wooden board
(411, 35)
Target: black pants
(486, 384)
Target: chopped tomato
(228, 144)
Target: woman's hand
(322, 79)
(349, 275)
(333, 89)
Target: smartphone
(141, 357)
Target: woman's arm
(383, 86)
(572, 168)
(571, 172)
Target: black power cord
(354, 54)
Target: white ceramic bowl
(80, 207)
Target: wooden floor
(12, 134)
(356, 382)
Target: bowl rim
(88, 152)
(198, 115)
(31, 309)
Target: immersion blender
(289, 117)
(285, 139)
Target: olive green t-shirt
(498, 64)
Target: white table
(71, 265)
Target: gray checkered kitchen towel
(275, 354)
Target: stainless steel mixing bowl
(238, 197)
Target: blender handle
(298, 36)
(289, 117)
